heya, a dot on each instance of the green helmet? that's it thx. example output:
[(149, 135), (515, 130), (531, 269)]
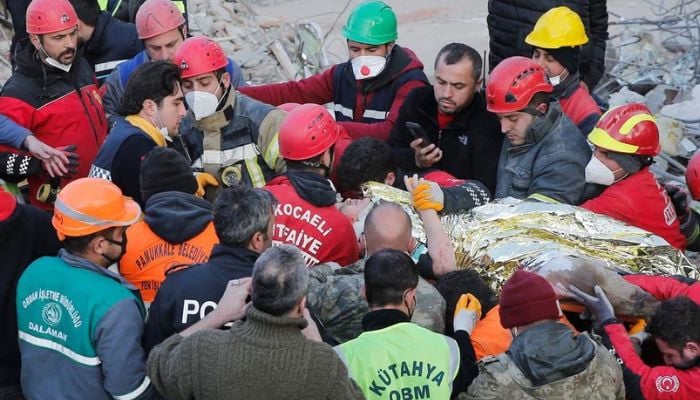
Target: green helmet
[(372, 22)]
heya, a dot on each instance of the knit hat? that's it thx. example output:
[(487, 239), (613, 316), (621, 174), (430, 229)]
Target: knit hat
[(164, 170), (631, 163), (8, 203), (526, 298), (568, 57)]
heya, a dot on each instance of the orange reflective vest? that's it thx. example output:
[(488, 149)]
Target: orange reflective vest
[(148, 257)]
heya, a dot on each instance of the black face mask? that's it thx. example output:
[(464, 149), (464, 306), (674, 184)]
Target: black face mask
[(410, 311), (121, 244)]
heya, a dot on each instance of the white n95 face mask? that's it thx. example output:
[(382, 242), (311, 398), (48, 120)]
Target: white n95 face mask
[(597, 172), (365, 67), (202, 104)]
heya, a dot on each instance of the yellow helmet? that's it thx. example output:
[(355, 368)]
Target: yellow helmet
[(558, 27)]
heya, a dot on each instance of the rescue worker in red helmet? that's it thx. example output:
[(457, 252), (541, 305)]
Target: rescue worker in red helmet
[(545, 155), (306, 215), (556, 40), (687, 216), (52, 93), (626, 139), (80, 324), (162, 28), (227, 134)]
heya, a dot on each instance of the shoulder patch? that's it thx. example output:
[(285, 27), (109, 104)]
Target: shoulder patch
[(667, 384)]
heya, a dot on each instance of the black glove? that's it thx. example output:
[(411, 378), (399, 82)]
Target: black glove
[(599, 304), (73, 159), (679, 198)]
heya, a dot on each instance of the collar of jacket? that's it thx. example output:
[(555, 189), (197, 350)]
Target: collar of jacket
[(396, 63), (380, 319), (228, 256), (540, 128), (313, 188), (221, 117), (84, 263), (29, 63), (567, 87), (429, 110), (260, 325), (148, 128)]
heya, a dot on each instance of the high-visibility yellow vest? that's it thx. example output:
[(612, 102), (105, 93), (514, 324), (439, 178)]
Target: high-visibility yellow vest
[(403, 361), (105, 3)]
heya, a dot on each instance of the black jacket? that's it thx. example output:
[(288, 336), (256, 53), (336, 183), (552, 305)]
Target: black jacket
[(188, 295), (25, 235), (471, 144), (510, 21)]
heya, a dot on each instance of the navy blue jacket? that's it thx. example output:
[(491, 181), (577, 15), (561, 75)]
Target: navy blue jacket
[(112, 43)]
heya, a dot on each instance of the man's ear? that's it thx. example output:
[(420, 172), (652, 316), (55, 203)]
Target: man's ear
[(257, 242), (693, 348), (302, 305), (149, 107), (35, 41), (226, 80), (542, 107), (412, 244), (390, 178)]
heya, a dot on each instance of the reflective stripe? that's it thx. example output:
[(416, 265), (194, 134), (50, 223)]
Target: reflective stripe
[(634, 120), (88, 220), (374, 114), (255, 172), (231, 156), (137, 392), (106, 66), (602, 139), (47, 344), (272, 153), (97, 172), (343, 110), (543, 198)]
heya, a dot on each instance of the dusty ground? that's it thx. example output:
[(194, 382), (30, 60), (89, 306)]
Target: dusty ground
[(424, 26)]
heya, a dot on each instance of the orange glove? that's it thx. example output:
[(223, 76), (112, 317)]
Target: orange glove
[(467, 313), (204, 179)]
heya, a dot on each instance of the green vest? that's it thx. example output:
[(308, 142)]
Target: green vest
[(403, 361), (59, 307)]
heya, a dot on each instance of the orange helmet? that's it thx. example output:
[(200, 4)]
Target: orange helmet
[(49, 16), (513, 83), (307, 131), (155, 17), (90, 205), (692, 176), (199, 55), (628, 129)]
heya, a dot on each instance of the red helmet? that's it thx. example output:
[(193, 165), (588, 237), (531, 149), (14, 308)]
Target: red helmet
[(692, 176), (155, 17), (629, 129), (512, 84), (306, 132), (199, 55), (49, 16)]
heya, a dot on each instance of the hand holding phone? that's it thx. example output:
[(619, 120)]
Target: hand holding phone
[(418, 132)]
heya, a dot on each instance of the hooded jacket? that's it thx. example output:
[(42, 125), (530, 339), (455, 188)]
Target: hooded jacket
[(550, 166), (187, 295), (548, 361), (177, 230), (306, 217), (471, 143), (366, 107), (59, 108), (26, 234), (510, 21)]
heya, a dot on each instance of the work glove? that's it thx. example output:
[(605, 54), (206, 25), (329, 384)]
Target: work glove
[(204, 179), (467, 313), (425, 195), (73, 160), (638, 335), (679, 198), (598, 305)]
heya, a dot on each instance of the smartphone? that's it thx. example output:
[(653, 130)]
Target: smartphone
[(418, 132)]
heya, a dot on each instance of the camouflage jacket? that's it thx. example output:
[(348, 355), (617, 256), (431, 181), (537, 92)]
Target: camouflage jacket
[(334, 297), (500, 378)]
